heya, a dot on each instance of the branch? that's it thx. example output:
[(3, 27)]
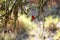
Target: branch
[(44, 3), (9, 12)]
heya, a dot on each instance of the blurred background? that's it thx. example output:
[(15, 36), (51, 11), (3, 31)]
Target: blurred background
[(29, 19)]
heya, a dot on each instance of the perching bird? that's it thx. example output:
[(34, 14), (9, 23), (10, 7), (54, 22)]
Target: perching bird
[(33, 17)]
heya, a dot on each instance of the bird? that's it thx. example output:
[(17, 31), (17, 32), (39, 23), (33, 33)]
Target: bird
[(33, 17)]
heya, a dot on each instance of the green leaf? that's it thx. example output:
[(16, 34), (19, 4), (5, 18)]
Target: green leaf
[(2, 1), (2, 12)]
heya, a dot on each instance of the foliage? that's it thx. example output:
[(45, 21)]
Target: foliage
[(2, 0), (2, 12), (50, 20), (57, 36), (26, 21)]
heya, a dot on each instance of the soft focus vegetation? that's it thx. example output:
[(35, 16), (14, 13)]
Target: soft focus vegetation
[(50, 20), (26, 22), (29, 19)]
